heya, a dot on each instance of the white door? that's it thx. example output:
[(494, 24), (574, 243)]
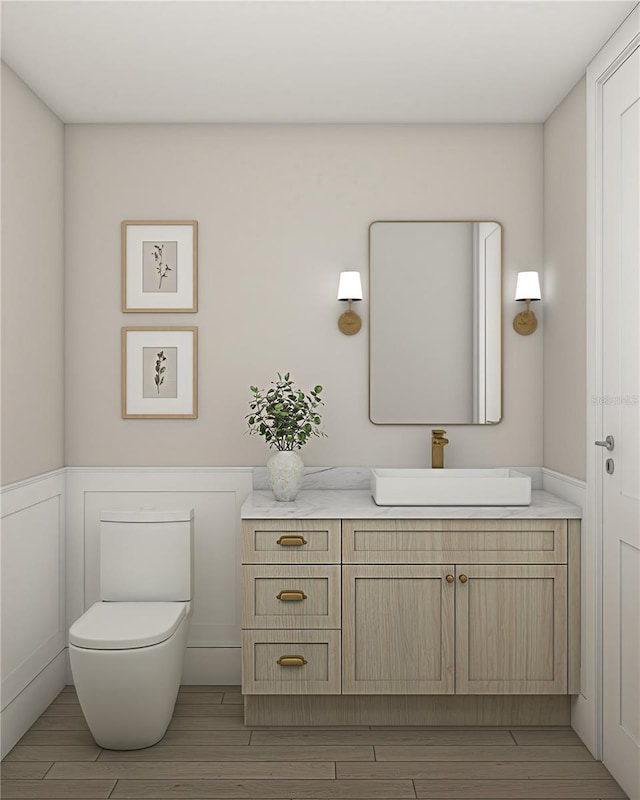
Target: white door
[(621, 420)]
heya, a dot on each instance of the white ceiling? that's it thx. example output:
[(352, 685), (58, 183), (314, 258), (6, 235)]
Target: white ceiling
[(304, 61)]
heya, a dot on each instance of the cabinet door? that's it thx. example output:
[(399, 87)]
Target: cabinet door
[(397, 630), (511, 629)]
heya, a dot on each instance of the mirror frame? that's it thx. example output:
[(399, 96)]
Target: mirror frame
[(443, 422)]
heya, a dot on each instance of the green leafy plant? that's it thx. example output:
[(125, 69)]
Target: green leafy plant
[(284, 415)]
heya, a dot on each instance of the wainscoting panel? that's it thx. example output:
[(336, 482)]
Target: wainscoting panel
[(216, 495), (33, 591)]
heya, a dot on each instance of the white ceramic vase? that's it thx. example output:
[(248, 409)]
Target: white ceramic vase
[(284, 470)]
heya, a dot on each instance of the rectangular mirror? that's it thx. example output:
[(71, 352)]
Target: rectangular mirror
[(435, 335)]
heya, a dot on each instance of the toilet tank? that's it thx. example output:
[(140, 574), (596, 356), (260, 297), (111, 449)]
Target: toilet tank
[(146, 555)]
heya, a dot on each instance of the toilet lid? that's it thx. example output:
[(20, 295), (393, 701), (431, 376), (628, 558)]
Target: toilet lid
[(123, 626)]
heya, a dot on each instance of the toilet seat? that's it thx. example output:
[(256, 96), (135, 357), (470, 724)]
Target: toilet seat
[(126, 626)]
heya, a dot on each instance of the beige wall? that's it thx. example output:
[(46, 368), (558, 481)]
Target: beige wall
[(32, 283), (282, 209), (564, 290)]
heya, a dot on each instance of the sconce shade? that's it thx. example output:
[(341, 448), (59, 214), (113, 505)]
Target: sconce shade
[(350, 286), (528, 286)]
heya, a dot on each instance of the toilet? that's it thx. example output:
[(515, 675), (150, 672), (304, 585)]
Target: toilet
[(127, 650)]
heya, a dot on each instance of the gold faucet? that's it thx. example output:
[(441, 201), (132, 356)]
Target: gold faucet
[(438, 443)]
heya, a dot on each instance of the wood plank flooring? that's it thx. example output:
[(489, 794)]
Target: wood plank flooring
[(208, 754)]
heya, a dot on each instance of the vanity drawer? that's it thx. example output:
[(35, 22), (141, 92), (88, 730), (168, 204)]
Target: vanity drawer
[(290, 596), (291, 541), (419, 541), (291, 662)]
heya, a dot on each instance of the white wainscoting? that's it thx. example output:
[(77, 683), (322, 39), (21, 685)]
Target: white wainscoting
[(216, 495), (584, 716), (33, 571), (33, 600)]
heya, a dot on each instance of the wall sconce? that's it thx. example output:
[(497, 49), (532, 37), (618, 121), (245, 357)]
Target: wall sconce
[(350, 289), (527, 290)]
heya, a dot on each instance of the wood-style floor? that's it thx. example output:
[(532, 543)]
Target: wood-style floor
[(208, 753)]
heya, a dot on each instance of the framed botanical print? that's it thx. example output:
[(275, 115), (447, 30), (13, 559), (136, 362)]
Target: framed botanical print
[(159, 266), (159, 373)]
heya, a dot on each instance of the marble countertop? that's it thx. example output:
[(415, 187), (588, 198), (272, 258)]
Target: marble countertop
[(358, 504)]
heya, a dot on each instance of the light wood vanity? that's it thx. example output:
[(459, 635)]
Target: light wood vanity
[(400, 619)]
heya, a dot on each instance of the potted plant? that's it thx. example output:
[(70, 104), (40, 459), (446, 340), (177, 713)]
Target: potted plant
[(286, 418)]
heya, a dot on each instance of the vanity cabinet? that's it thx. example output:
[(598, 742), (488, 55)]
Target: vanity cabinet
[(411, 607)]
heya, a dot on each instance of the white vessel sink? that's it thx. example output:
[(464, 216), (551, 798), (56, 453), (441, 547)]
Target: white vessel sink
[(450, 487)]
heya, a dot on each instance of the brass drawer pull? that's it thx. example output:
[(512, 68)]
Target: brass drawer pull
[(291, 541), (292, 661), (449, 578), (463, 578), (291, 594)]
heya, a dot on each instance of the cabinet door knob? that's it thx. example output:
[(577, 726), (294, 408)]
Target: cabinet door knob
[(291, 541), (449, 578), (463, 578), (292, 661), (291, 594)]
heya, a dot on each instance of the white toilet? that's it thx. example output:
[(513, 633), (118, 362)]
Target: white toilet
[(127, 650)]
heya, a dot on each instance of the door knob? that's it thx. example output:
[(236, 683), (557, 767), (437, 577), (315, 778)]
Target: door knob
[(463, 579), (609, 443), (449, 578)]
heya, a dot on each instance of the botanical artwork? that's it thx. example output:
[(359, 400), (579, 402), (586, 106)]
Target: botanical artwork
[(160, 267), (159, 372)]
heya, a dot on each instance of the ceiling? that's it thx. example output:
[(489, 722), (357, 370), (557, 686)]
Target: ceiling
[(304, 61)]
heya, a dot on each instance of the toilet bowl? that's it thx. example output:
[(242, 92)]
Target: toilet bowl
[(127, 651)]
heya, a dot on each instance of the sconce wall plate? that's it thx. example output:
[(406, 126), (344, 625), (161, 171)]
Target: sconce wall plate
[(349, 322), (525, 322)]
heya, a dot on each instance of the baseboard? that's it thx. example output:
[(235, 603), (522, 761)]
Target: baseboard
[(437, 710), (24, 710), (564, 486)]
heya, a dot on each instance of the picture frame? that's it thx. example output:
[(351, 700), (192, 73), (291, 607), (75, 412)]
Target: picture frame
[(159, 266), (159, 372)]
